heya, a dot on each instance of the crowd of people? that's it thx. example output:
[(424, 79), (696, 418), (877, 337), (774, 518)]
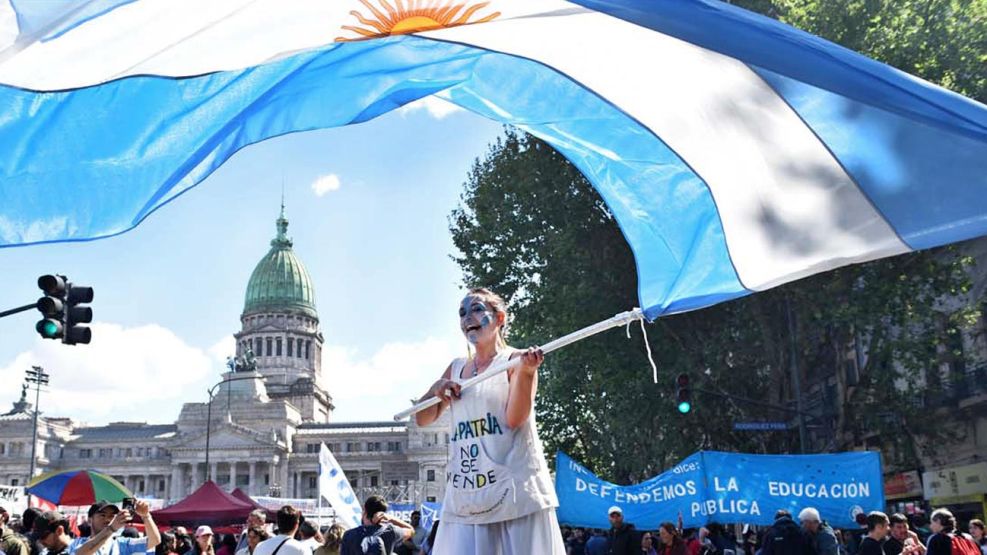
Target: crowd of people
[(107, 532), (876, 534), (493, 435)]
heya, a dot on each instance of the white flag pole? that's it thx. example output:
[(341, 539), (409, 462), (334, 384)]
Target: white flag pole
[(319, 509), (622, 319)]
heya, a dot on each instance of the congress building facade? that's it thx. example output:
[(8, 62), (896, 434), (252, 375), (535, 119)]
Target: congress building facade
[(268, 419)]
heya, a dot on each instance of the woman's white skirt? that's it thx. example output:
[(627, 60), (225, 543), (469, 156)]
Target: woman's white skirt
[(534, 534)]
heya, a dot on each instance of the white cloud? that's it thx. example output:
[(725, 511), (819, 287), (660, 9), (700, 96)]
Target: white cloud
[(143, 373), (223, 349), (146, 373), (377, 386), (326, 184), (435, 106)]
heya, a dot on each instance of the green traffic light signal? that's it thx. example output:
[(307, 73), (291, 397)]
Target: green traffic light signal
[(49, 329), (682, 394)]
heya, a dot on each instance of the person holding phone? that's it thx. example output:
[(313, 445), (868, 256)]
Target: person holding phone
[(105, 520)]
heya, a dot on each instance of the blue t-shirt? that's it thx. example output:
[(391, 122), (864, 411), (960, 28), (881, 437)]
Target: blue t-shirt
[(114, 546)]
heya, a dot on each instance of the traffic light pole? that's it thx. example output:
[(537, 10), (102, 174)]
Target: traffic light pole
[(793, 363), (24, 308), (34, 434), (38, 377)]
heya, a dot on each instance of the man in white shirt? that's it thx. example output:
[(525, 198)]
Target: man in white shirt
[(284, 543), (309, 535)]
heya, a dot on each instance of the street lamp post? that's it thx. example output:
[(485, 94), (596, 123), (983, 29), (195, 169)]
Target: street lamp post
[(211, 391), (38, 377)]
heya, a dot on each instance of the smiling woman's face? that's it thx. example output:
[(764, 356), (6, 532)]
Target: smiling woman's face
[(477, 320)]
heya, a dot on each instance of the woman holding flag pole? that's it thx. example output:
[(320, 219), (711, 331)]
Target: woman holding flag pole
[(499, 495)]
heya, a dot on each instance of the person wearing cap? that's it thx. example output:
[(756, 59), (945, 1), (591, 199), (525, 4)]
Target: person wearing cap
[(622, 538), (10, 542), (819, 534), (50, 529), (106, 519), (203, 542)]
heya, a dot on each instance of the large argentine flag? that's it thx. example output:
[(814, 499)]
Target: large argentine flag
[(737, 153)]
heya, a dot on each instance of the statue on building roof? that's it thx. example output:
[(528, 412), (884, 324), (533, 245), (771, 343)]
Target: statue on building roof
[(246, 363)]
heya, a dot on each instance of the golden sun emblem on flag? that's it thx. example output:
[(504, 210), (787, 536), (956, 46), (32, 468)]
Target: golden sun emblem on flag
[(412, 16)]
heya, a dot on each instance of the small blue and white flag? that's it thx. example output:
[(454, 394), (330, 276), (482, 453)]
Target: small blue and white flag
[(336, 489), (736, 152)]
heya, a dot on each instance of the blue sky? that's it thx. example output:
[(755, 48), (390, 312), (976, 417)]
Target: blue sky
[(169, 293)]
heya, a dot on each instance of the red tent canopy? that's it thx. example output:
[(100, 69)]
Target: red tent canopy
[(242, 496), (207, 505)]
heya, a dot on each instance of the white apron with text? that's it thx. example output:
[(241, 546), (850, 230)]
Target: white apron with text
[(494, 473)]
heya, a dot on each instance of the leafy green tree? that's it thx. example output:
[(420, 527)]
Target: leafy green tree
[(531, 227), (942, 41)]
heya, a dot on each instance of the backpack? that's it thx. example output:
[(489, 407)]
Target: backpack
[(369, 540), (960, 545), (788, 540)]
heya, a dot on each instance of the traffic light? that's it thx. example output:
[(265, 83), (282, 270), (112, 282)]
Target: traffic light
[(52, 306), (76, 314), (62, 311), (683, 397)]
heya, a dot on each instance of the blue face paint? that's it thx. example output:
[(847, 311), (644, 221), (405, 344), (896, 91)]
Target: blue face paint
[(474, 318)]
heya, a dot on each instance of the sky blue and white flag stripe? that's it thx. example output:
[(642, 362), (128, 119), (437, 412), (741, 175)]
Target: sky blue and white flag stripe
[(736, 153)]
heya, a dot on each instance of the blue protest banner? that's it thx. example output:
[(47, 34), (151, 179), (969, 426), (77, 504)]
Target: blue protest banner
[(430, 513), (401, 510), (712, 486), (584, 498)]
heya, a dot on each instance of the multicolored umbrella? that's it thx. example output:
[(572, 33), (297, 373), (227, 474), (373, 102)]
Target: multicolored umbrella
[(78, 487)]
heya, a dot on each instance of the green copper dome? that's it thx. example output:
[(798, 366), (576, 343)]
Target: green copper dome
[(280, 282)]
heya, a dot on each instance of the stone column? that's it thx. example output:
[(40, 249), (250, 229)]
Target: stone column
[(213, 471), (176, 481), (147, 485), (252, 478), (285, 483), (232, 476)]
